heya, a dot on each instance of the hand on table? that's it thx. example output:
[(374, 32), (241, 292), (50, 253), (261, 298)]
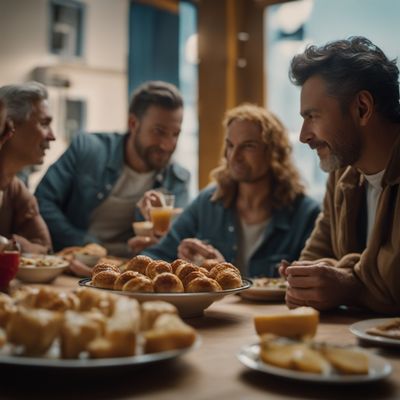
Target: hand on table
[(194, 249), (319, 285), (78, 268), (139, 243)]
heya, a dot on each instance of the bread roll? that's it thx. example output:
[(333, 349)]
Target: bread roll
[(209, 264), (105, 279), (185, 269), (167, 283), (123, 278), (169, 332), (140, 283), (203, 285), (193, 275), (175, 264), (139, 264), (157, 267), (151, 310), (223, 267), (228, 279), (104, 267)]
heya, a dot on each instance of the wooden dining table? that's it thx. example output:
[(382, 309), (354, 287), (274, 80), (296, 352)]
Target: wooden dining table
[(210, 371)]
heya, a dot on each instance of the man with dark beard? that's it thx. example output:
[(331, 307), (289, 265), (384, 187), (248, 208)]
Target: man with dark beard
[(90, 193), (350, 105), (256, 211)]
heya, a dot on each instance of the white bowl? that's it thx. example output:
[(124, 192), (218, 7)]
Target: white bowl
[(34, 274), (87, 259)]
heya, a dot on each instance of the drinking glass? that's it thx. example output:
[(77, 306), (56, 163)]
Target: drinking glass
[(161, 215)]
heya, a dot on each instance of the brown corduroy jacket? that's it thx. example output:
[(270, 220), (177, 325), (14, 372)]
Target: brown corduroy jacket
[(340, 231)]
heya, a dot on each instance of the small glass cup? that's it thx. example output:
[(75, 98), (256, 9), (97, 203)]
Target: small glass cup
[(9, 263), (162, 214)]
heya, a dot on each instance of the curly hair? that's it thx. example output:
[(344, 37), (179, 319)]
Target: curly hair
[(283, 177), (349, 66)]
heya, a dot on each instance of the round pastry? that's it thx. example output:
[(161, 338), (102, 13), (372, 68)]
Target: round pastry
[(167, 283), (185, 269), (123, 278), (105, 279), (157, 267), (222, 267), (175, 264), (228, 279), (204, 271), (203, 285), (209, 264), (192, 275), (104, 267), (139, 264), (139, 283)]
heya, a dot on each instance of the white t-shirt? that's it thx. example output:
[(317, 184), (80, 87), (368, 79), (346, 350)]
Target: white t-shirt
[(111, 221), (251, 236), (374, 189)]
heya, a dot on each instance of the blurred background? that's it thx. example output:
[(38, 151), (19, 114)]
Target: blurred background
[(91, 54)]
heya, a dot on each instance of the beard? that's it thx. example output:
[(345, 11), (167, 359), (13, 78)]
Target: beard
[(153, 156), (340, 155)]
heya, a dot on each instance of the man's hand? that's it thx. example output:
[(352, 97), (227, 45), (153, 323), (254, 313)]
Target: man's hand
[(29, 247), (78, 268), (196, 251), (320, 286), (149, 199), (139, 243)]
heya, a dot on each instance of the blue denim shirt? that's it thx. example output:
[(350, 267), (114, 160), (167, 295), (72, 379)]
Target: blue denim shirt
[(284, 236), (83, 177)]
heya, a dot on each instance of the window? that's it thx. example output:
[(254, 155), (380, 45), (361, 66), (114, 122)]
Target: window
[(66, 28)]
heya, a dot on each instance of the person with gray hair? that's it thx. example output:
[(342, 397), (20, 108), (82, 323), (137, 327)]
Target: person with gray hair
[(28, 137), (90, 193)]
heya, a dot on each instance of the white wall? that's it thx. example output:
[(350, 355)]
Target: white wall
[(100, 77)]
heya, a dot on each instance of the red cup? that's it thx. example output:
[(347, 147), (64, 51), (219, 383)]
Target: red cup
[(9, 262)]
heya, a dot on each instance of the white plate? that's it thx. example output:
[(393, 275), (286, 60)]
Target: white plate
[(188, 304), (33, 274), (379, 368), (264, 293), (360, 328), (138, 360)]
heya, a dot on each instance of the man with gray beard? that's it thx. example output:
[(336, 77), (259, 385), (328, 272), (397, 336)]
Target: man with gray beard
[(90, 193), (350, 106)]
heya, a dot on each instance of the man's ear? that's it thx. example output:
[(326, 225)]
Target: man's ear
[(364, 106), (132, 122)]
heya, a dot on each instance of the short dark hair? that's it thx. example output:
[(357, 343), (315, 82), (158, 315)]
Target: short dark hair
[(155, 93), (349, 66)]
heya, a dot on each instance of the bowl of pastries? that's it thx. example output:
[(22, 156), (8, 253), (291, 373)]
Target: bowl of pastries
[(89, 254), (39, 268), (189, 287), (88, 328), (287, 348)]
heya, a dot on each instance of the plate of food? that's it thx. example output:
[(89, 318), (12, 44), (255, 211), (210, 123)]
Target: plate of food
[(383, 331), (190, 288), (39, 268), (89, 329), (376, 367), (266, 289), (188, 304)]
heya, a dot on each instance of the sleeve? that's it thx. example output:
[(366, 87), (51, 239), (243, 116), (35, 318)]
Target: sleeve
[(53, 194), (185, 226), (319, 244), (28, 223)]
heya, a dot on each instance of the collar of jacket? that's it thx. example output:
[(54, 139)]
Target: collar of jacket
[(392, 173)]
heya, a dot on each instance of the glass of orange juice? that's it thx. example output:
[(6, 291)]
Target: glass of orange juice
[(162, 214)]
